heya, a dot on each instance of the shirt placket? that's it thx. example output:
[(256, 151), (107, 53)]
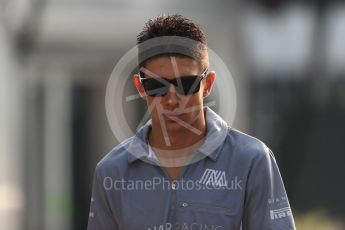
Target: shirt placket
[(175, 191)]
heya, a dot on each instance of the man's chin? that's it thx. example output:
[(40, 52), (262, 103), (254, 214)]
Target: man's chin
[(176, 124)]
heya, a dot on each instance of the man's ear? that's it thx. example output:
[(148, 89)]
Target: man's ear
[(139, 86), (208, 83)]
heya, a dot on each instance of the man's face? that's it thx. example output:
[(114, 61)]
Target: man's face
[(173, 110)]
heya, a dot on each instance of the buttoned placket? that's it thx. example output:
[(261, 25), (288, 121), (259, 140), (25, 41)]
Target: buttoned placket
[(175, 190)]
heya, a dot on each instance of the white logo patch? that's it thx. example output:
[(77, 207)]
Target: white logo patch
[(280, 213), (214, 177)]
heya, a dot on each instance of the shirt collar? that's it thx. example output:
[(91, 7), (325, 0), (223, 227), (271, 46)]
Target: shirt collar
[(217, 130)]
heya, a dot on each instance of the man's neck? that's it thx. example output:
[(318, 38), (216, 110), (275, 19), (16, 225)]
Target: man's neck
[(182, 144)]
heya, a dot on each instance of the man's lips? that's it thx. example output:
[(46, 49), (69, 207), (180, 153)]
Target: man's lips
[(172, 113)]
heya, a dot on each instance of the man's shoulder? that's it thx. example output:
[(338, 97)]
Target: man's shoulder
[(116, 159), (247, 146)]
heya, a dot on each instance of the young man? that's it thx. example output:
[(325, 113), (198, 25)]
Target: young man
[(185, 168)]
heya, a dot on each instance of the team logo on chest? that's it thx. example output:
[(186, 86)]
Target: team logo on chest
[(214, 177)]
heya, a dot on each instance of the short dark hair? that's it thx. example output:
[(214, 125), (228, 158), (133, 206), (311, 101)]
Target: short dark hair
[(175, 25)]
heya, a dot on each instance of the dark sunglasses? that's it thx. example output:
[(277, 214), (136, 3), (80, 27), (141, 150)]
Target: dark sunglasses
[(185, 85)]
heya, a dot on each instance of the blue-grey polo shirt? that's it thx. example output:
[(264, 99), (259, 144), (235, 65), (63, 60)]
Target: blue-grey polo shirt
[(232, 181)]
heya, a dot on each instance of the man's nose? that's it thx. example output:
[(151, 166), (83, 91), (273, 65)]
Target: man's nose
[(171, 95)]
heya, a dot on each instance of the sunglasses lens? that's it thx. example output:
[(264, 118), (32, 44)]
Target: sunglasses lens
[(154, 87), (187, 85), (190, 85)]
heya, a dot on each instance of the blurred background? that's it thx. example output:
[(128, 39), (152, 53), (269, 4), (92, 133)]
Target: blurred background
[(56, 56)]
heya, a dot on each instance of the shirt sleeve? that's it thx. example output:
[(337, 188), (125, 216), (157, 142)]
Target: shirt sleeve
[(100, 216), (266, 204)]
